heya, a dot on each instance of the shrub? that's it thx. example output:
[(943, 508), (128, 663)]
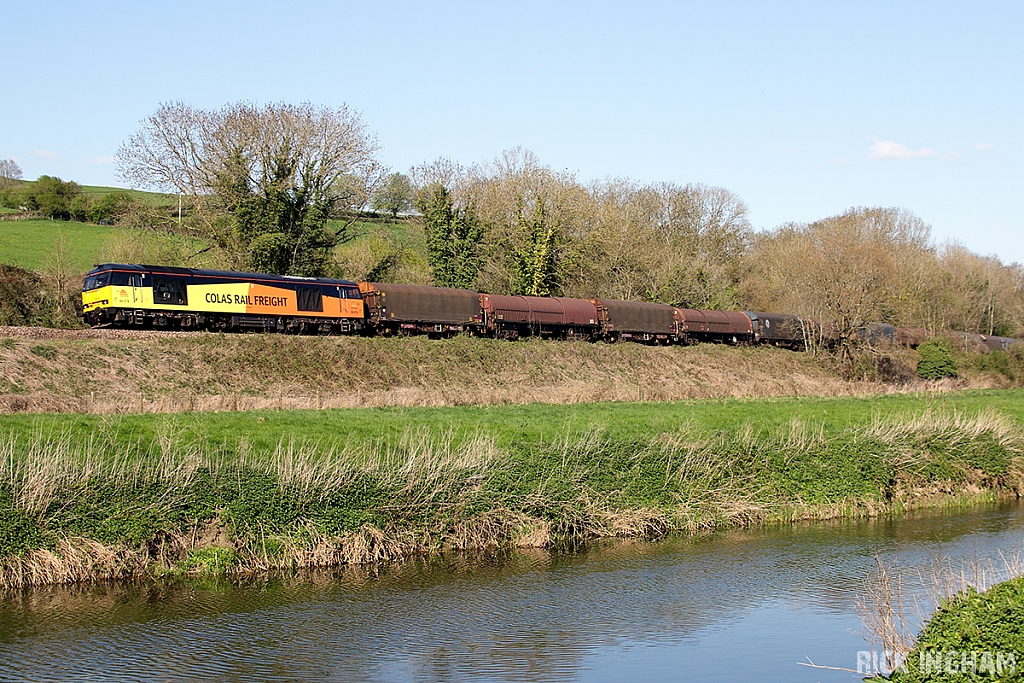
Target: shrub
[(53, 197), (111, 207), (936, 361), (26, 298), (1009, 363)]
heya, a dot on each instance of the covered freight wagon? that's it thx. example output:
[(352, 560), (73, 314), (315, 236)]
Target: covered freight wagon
[(636, 320), (716, 326), (911, 336), (519, 316), (877, 334), (778, 329), (995, 343), (413, 308)]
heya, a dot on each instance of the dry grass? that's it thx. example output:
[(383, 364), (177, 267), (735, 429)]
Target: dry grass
[(73, 560), (113, 371), (953, 426)]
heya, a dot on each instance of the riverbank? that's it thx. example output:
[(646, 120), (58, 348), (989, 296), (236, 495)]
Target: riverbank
[(122, 371), (972, 636), (87, 497)]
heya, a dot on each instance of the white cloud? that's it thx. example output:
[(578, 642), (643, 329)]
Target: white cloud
[(984, 146), (887, 149), (47, 154), (104, 160)]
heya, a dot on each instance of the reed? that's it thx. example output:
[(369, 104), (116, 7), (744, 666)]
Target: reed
[(111, 504), (898, 624)]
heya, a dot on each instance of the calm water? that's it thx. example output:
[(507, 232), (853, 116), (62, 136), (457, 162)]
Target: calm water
[(738, 606)]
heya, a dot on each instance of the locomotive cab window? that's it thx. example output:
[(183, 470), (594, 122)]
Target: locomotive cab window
[(96, 281), (309, 299), (168, 291)]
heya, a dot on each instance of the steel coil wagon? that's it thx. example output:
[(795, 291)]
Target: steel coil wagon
[(637, 321), (409, 309), (511, 317)]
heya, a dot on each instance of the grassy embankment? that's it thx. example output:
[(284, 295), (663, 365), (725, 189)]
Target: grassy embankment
[(116, 372), (87, 497)]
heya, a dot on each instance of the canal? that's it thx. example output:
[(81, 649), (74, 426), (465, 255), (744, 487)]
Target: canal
[(739, 605)]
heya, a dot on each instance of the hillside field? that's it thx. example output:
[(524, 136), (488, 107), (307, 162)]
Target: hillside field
[(29, 243)]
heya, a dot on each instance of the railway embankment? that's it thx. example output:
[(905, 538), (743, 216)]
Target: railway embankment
[(120, 371), (88, 497)]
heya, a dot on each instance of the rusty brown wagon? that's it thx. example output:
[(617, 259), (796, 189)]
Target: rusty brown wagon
[(637, 321), (443, 311), (511, 317), (732, 327)]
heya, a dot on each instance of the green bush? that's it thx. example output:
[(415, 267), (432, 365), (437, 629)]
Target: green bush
[(111, 207), (936, 361), (983, 627), (1009, 363), (53, 197)]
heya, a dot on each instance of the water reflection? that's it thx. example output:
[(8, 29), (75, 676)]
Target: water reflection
[(738, 605)]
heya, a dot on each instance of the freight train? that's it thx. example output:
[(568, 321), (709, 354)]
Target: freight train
[(140, 296)]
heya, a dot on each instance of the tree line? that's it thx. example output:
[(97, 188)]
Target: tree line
[(279, 187)]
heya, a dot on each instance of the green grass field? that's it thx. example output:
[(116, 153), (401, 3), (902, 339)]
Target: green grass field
[(29, 243), (508, 425), (94, 192)]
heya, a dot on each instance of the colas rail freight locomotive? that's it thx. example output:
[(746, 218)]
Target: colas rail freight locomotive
[(161, 297)]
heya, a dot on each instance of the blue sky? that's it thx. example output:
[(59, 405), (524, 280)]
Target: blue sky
[(803, 109)]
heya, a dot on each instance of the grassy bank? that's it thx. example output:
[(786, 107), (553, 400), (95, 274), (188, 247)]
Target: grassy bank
[(108, 371), (972, 636), (85, 497)]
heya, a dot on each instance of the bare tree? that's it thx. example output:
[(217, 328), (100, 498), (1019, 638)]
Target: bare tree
[(674, 244), (858, 267), (977, 293), (263, 181), (10, 173), (442, 171)]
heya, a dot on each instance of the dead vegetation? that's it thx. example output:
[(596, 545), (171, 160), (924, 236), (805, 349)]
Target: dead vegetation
[(116, 371)]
